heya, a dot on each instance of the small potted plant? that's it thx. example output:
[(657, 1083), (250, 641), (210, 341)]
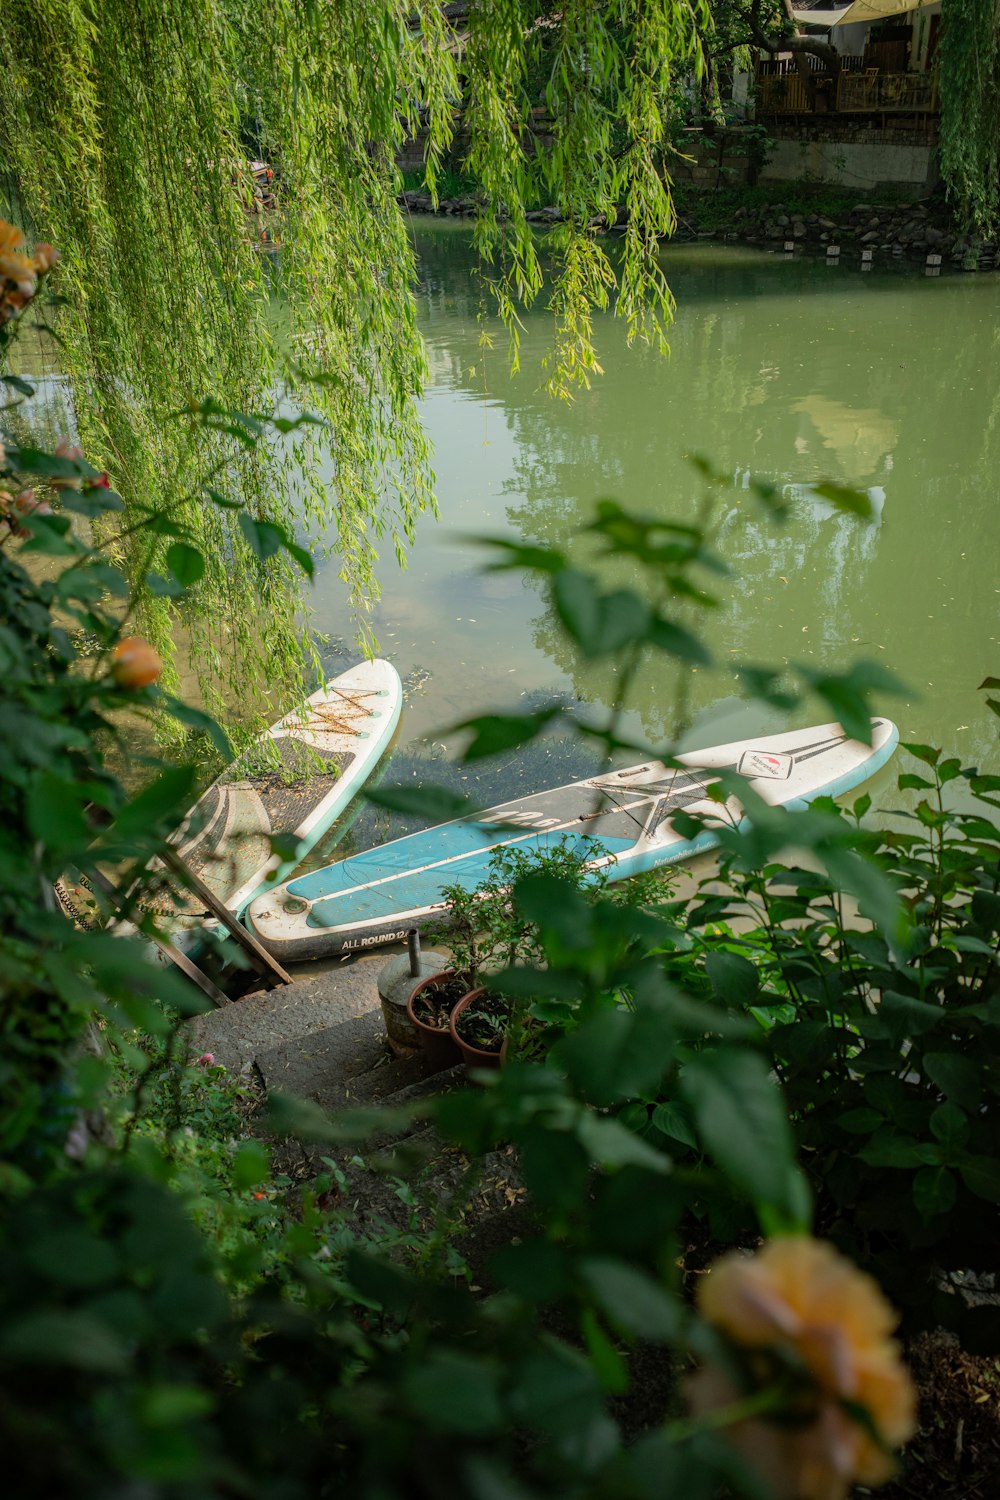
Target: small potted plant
[(429, 1007), (477, 926), (478, 1026)]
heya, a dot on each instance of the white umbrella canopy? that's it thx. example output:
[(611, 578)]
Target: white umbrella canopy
[(857, 12)]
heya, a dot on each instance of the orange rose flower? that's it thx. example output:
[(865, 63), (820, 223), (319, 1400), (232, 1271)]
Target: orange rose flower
[(45, 257), (799, 1298), (134, 663), (19, 273), (11, 237)]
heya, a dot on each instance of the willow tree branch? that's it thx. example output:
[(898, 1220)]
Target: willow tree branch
[(800, 45)]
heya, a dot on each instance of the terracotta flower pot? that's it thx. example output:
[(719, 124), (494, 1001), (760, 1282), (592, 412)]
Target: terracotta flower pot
[(475, 1057), (439, 1048)]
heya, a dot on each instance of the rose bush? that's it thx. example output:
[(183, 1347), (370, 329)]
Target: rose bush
[(808, 1326)]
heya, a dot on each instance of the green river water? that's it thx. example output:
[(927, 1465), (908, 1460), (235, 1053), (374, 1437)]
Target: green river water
[(788, 370)]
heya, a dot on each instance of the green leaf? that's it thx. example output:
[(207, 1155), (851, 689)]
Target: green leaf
[(73, 1257), (251, 1164), (981, 1175), (861, 1121), (53, 1337), (906, 1017), (536, 1269), (452, 1392), (161, 587), (195, 718), (50, 536), (848, 693), (959, 1078), (846, 498), (934, 1191), (301, 556), (617, 1054), (950, 1125), (894, 1150), (50, 465), (555, 1391), (264, 538), (632, 1301), (185, 563), (675, 1121), (168, 1403), (288, 1115), (986, 909), (910, 781), (159, 805), (609, 1144), (925, 753), (874, 891), (19, 385), (599, 623), (862, 805), (672, 638), (519, 555), (96, 501), (55, 812), (734, 979), (741, 1121), (609, 1365), (434, 804), (495, 734)]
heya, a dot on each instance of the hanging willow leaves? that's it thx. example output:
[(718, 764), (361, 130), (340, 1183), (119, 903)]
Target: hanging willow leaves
[(969, 62), (125, 132)]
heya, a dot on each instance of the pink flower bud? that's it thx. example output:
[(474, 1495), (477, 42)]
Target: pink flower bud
[(25, 503), (206, 1060), (72, 451)]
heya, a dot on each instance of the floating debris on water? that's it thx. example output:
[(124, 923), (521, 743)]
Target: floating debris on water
[(414, 682)]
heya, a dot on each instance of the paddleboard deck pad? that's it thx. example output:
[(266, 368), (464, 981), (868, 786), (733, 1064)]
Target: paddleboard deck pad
[(293, 783), (620, 820)]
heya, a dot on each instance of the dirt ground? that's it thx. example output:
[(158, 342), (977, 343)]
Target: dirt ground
[(956, 1453)]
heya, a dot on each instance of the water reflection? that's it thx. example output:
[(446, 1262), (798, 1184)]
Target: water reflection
[(790, 372), (856, 441)]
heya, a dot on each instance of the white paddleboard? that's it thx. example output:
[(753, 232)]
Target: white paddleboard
[(294, 782), (621, 820)]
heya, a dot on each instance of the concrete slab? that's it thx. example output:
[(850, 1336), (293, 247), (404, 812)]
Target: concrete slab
[(322, 995)]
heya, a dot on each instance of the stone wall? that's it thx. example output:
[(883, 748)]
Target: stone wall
[(863, 158), (872, 233), (854, 154), (725, 159)]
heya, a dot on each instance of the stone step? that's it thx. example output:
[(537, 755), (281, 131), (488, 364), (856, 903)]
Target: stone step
[(321, 995), (337, 1066)]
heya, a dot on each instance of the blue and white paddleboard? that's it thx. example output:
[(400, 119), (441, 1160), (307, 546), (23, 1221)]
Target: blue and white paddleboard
[(621, 819)]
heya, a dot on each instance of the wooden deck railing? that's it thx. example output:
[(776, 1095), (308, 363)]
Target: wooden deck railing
[(887, 92), (857, 93)]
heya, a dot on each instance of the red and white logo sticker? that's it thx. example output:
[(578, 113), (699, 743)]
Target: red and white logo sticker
[(758, 763)]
